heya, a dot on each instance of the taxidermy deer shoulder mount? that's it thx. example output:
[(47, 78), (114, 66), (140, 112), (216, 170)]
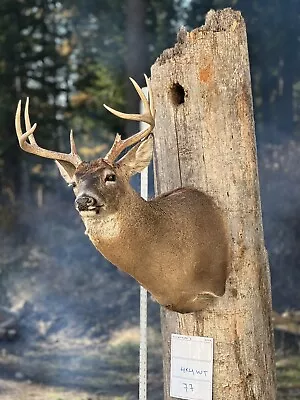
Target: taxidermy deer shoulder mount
[(174, 245)]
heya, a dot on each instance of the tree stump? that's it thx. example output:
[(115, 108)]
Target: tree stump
[(204, 137)]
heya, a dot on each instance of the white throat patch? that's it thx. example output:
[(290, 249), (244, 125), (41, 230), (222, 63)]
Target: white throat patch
[(103, 228)]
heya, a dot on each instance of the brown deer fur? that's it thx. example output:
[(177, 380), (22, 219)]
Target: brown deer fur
[(174, 245)]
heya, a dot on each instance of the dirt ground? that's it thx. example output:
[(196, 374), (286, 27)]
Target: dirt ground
[(10, 390), (79, 369)]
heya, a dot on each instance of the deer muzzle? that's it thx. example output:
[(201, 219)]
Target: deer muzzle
[(86, 203)]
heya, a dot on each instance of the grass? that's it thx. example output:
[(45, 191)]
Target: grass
[(288, 378)]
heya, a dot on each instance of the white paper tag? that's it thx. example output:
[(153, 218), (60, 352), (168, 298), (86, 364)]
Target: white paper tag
[(191, 367)]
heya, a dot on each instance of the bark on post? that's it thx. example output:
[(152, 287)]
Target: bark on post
[(204, 137)]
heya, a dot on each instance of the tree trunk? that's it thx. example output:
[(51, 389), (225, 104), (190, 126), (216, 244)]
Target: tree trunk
[(204, 137), (137, 56), (287, 79)]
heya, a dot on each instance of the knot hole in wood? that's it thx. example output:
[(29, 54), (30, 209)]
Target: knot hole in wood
[(177, 94)]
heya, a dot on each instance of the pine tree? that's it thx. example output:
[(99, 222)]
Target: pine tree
[(32, 64)]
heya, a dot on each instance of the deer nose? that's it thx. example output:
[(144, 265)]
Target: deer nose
[(83, 202)]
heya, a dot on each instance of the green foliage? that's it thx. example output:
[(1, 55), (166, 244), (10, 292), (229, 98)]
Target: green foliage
[(96, 85), (31, 65), (288, 378), (69, 58)]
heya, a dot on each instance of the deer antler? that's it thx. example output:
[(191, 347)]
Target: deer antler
[(32, 146), (148, 116)]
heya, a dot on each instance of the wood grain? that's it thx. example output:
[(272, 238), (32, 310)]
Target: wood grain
[(207, 141)]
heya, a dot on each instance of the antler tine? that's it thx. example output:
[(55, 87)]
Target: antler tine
[(22, 137), (32, 146), (147, 116), (72, 143), (150, 96), (27, 122)]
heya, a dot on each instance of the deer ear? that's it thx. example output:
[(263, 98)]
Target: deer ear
[(137, 158), (66, 170)]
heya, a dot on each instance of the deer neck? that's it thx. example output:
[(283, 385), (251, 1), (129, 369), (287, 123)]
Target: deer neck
[(117, 236), (128, 239)]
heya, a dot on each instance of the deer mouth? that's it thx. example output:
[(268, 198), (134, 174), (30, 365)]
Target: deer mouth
[(91, 212)]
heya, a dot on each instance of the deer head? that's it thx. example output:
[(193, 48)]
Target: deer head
[(175, 245), (99, 185)]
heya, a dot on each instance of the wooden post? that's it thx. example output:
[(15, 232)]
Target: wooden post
[(204, 137)]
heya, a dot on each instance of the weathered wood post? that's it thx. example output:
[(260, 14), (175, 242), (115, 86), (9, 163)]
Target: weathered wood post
[(204, 137)]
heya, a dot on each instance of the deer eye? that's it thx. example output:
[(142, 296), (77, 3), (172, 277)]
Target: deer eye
[(72, 184), (110, 178)]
